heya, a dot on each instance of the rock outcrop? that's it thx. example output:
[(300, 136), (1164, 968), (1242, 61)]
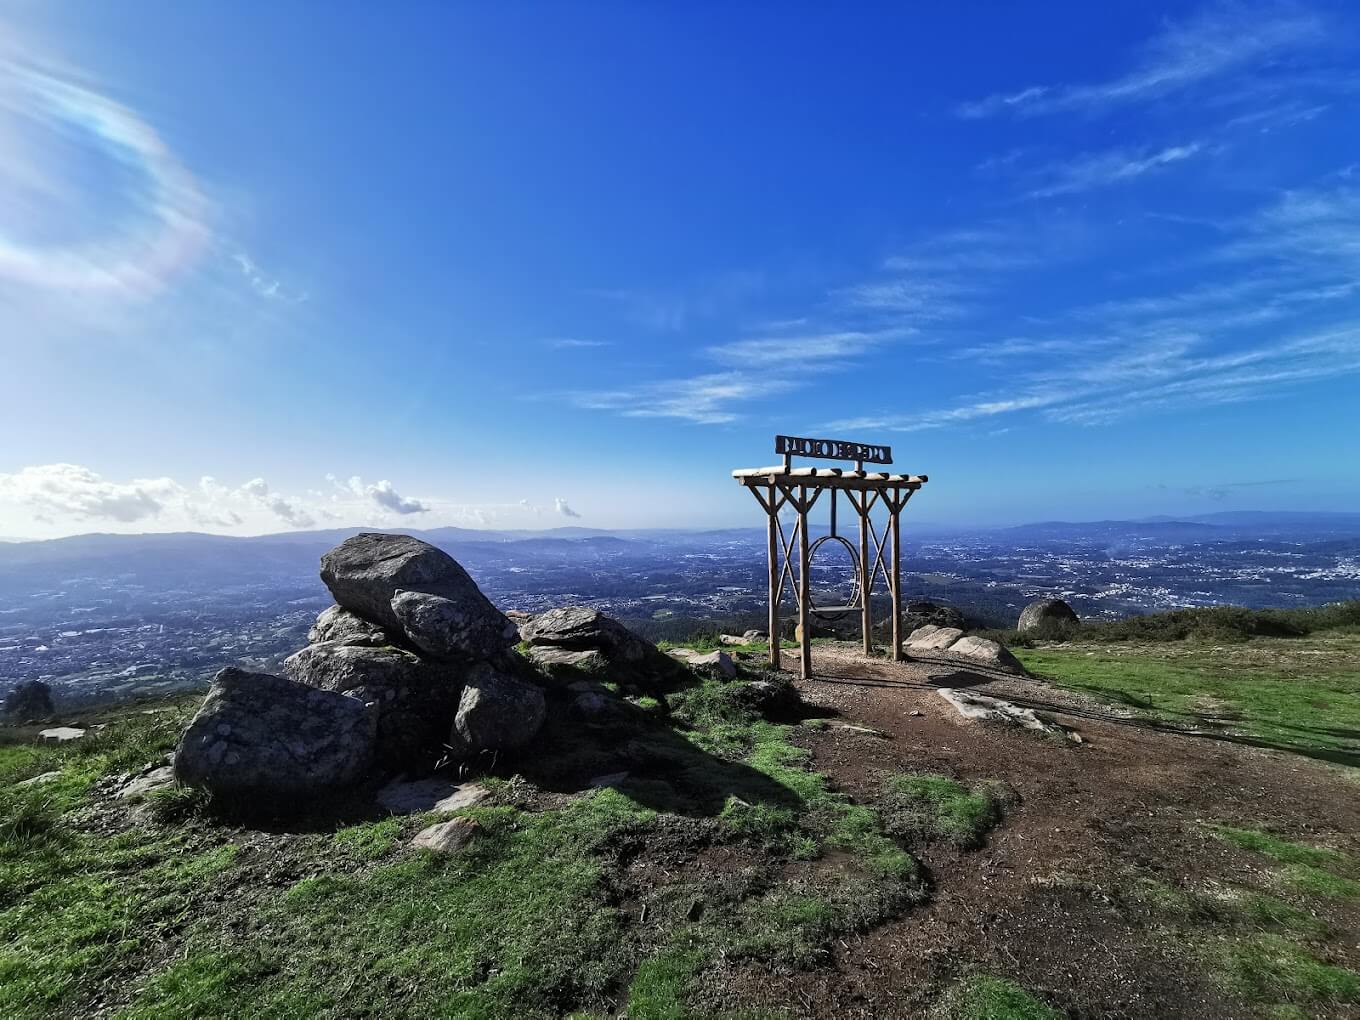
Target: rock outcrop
[(381, 577), (577, 642), (414, 698), (266, 737), (30, 701), (496, 712), (1046, 613)]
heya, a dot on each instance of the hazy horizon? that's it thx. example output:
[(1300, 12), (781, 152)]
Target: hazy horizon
[(478, 266)]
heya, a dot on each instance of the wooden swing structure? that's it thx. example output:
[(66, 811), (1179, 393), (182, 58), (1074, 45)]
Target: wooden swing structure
[(799, 488)]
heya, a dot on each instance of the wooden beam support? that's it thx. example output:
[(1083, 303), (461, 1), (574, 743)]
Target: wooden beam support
[(804, 587), (775, 578), (866, 587)]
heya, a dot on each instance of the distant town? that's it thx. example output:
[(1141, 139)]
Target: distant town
[(104, 618)]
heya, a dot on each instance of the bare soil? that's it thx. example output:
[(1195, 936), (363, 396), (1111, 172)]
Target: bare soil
[(1050, 901)]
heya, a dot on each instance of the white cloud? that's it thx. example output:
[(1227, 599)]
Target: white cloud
[(1224, 39), (1095, 170), (385, 497), (560, 505), (72, 491)]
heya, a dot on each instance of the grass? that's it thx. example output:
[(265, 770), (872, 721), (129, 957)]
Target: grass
[(1312, 870), (1295, 695), (927, 807), (1269, 969), (984, 997), (181, 915)]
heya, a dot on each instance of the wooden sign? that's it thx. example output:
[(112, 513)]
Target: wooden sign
[(832, 449)]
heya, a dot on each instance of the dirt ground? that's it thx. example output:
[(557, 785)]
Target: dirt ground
[(1049, 902)]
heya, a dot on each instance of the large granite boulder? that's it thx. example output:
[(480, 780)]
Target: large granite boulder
[(453, 628), (343, 627), (1046, 614), (366, 574), (918, 613), (581, 628), (415, 699), (29, 701), (268, 738), (497, 712)]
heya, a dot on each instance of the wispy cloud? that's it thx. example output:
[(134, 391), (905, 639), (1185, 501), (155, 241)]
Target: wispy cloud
[(1224, 39), (143, 236), (711, 399), (567, 343), (784, 351), (1101, 169), (264, 285), (1294, 260)]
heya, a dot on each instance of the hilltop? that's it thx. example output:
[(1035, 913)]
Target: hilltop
[(868, 854)]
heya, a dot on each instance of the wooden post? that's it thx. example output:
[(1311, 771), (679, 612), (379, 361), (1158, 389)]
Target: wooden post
[(866, 587), (895, 507), (775, 574), (804, 587)]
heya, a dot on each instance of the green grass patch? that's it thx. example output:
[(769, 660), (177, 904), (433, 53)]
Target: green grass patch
[(1274, 847), (924, 807), (1269, 969), (984, 997), (1300, 695)]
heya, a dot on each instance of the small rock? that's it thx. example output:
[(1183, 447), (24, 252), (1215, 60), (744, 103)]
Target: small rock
[(715, 663), (985, 650), (60, 734), (447, 837), (733, 639), (401, 797), (156, 779), (867, 731), (938, 638), (981, 708), (39, 779), (752, 636)]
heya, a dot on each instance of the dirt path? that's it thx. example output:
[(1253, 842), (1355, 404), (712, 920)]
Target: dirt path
[(1049, 902)]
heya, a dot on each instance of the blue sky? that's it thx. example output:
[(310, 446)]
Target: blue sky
[(266, 266)]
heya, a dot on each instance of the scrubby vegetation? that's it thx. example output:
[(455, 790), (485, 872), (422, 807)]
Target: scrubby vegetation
[(164, 908), (1218, 624)]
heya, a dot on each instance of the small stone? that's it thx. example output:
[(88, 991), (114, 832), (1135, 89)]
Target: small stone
[(60, 734), (156, 779), (938, 639), (38, 780), (464, 797), (447, 837), (714, 663), (401, 797)]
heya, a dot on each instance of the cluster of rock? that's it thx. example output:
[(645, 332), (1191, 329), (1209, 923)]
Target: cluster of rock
[(411, 664), (952, 640)]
